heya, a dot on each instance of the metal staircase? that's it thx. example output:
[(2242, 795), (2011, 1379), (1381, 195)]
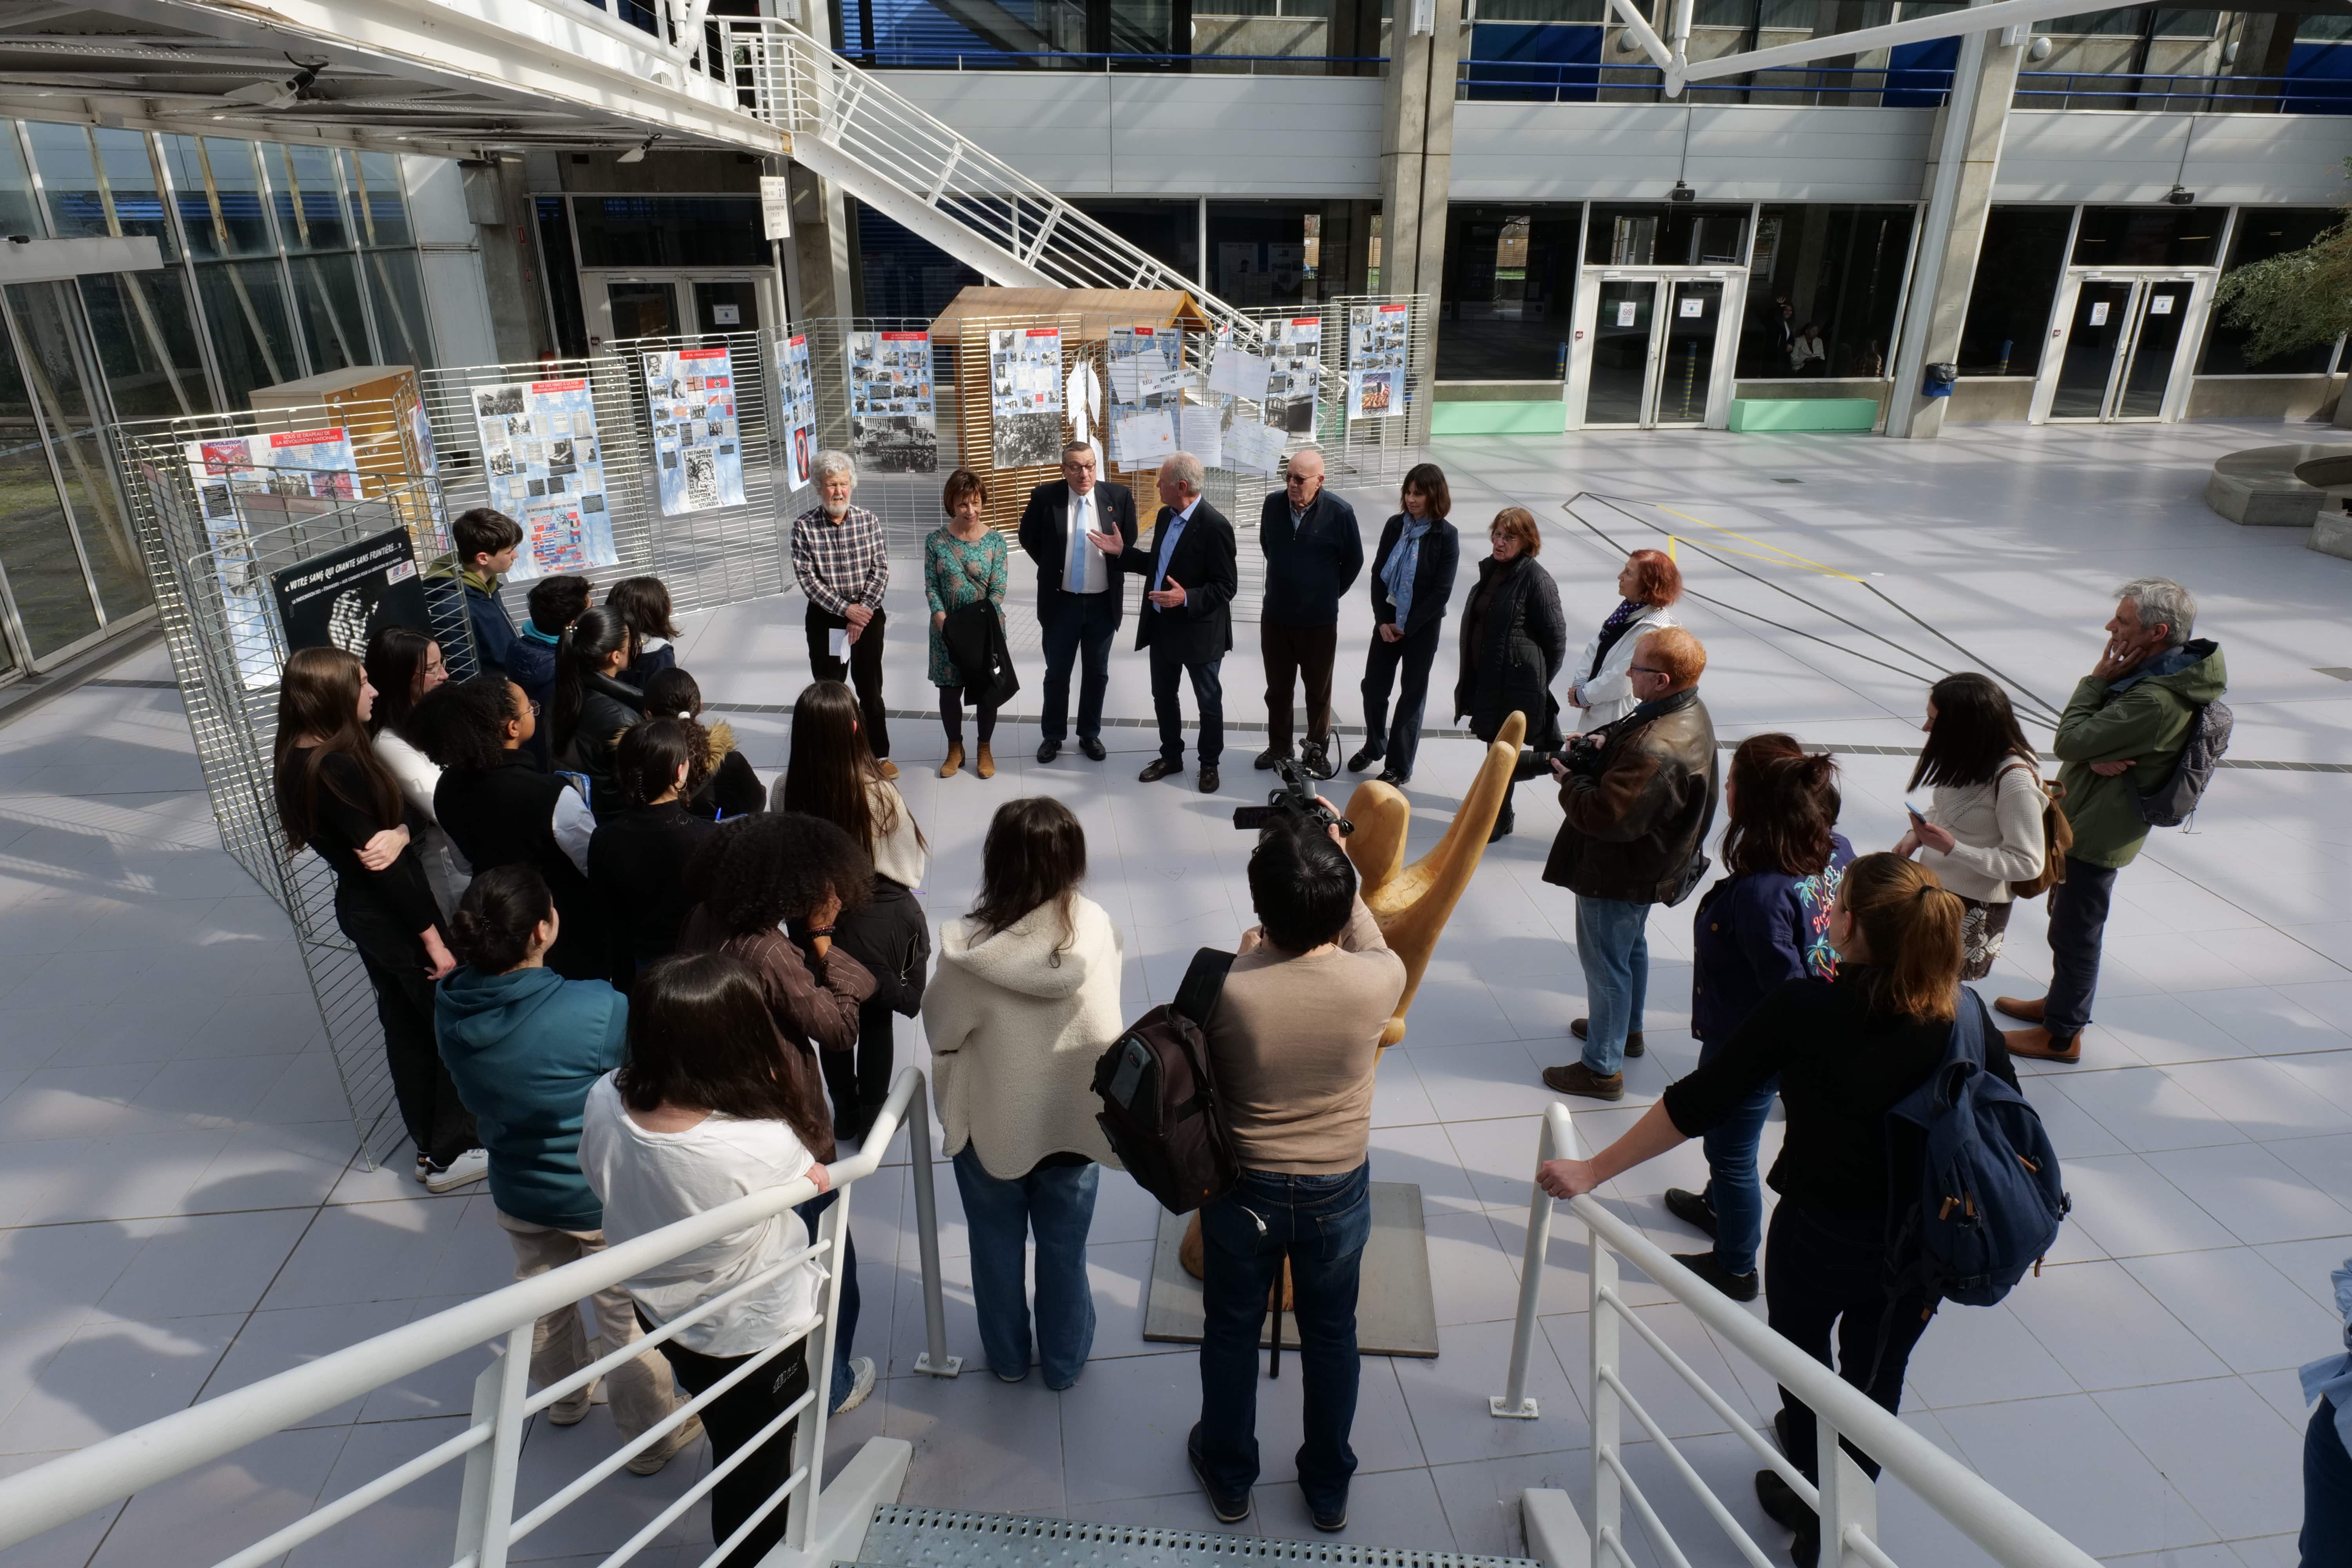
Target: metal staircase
[(848, 127)]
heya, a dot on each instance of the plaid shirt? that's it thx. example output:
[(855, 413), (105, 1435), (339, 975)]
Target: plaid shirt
[(841, 564)]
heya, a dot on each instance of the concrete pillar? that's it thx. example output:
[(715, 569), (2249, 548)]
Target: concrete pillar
[(1964, 160), (511, 264), (818, 259), (1417, 149)]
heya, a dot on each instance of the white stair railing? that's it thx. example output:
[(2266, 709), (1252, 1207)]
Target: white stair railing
[(1847, 1501), (486, 1527), (850, 127)]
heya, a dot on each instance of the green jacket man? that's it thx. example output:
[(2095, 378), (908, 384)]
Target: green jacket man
[(2122, 732)]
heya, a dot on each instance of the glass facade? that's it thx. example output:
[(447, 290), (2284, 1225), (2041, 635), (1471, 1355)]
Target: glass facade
[(1665, 234), (2260, 234), (2149, 237), (1510, 290), (281, 262), (2018, 271), (1826, 275)]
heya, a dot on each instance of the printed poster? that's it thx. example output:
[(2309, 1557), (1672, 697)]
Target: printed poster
[(246, 485), (892, 428), (1147, 393), (1024, 396), (1294, 374), (342, 598), (697, 441), (545, 462), (1376, 360), (796, 402)]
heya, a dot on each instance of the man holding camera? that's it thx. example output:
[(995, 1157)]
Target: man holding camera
[(1639, 795), (1293, 1039)]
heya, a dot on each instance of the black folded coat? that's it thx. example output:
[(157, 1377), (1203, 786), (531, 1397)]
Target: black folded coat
[(974, 634)]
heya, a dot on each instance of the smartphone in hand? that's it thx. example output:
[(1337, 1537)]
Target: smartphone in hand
[(1916, 819)]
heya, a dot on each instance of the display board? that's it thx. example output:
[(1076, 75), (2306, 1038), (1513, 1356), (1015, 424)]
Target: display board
[(1147, 394), (245, 483), (1377, 352), (1025, 376), (795, 422), (698, 447), (545, 460), (1294, 374), (342, 598), (892, 429)]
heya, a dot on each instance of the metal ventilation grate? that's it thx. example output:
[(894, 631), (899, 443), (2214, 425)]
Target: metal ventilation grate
[(948, 1538)]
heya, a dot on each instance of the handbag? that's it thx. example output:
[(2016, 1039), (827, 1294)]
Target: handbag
[(2057, 837)]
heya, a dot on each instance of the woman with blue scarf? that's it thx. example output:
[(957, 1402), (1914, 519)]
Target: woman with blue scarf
[(1412, 581)]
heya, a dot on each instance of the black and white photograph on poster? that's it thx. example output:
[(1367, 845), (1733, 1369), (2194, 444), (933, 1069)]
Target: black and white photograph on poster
[(796, 406), (1025, 403), (1294, 373), (694, 390), (1376, 360), (891, 428), (342, 599), (499, 400)]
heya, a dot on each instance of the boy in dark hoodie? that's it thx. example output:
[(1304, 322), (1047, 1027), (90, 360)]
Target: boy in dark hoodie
[(555, 604), (525, 1045), (486, 540)]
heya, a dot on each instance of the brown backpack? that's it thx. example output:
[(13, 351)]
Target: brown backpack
[(2057, 837)]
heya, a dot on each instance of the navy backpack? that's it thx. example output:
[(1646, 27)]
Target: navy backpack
[(1989, 1201)]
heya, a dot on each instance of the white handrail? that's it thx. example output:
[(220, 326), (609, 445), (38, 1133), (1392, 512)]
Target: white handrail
[(2004, 1529), (41, 1499)]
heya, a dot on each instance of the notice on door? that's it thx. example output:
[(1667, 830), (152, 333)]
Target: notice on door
[(1692, 307), (775, 207), (727, 315), (1625, 312), (2099, 313), (2161, 305)]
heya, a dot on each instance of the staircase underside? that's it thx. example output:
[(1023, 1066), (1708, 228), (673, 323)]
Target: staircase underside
[(904, 1537)]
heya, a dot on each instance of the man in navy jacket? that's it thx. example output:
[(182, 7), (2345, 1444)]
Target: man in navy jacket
[(1313, 554)]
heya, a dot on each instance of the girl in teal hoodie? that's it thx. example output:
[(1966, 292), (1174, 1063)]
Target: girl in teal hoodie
[(523, 1045)]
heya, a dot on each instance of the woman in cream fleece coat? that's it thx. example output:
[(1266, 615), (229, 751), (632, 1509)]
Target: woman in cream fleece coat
[(1025, 1000)]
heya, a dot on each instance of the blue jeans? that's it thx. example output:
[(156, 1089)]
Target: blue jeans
[(1732, 1189), (1613, 944), (1320, 1223), (1078, 630), (2326, 1540), (1057, 1203), (846, 1328), (2078, 925), (1168, 671)]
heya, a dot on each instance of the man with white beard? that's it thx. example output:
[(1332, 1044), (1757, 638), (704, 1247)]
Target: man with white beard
[(843, 565)]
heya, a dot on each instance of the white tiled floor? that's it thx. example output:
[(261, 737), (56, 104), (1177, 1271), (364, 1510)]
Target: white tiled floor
[(180, 1214)]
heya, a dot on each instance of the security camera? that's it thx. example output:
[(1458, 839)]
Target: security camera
[(2180, 198), (283, 93)]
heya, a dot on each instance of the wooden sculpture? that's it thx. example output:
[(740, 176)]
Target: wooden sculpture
[(1411, 904)]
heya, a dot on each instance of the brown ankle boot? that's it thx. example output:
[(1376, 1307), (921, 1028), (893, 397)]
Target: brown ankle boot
[(2016, 1008), (986, 766), (955, 759), (2036, 1043)]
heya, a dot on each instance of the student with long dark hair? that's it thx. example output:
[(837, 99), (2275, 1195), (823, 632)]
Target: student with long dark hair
[(723, 783), (1025, 1001), (555, 603), (592, 705), (1412, 583), (334, 794), (1844, 1050), (638, 859), (1766, 922), (706, 1111), (769, 890), (834, 776), (643, 606), (524, 1046), (402, 665), (501, 810), (1983, 827)]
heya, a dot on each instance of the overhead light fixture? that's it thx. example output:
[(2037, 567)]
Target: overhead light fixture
[(1682, 193), (637, 154), (284, 92)]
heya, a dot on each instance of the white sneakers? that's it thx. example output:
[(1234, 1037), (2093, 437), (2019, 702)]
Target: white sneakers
[(470, 1166), (861, 1384)]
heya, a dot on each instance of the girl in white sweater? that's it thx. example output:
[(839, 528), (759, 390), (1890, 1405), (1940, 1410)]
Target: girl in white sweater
[(1983, 830), (1025, 1000)]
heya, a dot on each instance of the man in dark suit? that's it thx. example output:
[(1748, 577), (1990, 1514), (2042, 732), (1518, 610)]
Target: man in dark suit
[(1081, 591), (1189, 574), (1313, 554)]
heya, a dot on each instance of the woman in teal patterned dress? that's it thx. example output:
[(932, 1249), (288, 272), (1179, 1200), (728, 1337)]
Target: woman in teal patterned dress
[(963, 560)]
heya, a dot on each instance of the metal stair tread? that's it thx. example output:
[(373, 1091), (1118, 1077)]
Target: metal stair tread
[(908, 1536)]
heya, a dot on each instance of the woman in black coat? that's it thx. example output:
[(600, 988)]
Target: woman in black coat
[(636, 859), (1514, 638), (592, 706), (1411, 582)]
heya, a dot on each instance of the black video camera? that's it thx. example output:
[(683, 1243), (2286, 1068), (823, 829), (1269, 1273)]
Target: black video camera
[(1581, 755), (1295, 800)]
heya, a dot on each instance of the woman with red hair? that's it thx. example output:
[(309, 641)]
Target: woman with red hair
[(1599, 681)]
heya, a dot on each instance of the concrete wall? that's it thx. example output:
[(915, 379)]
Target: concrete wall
[(1560, 152), (2263, 396), (1990, 400), (2103, 156), (455, 298)]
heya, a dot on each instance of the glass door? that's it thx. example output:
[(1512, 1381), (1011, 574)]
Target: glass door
[(2158, 321), (61, 522), (1686, 368), (727, 305), (2094, 343), (1619, 390), (644, 309)]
